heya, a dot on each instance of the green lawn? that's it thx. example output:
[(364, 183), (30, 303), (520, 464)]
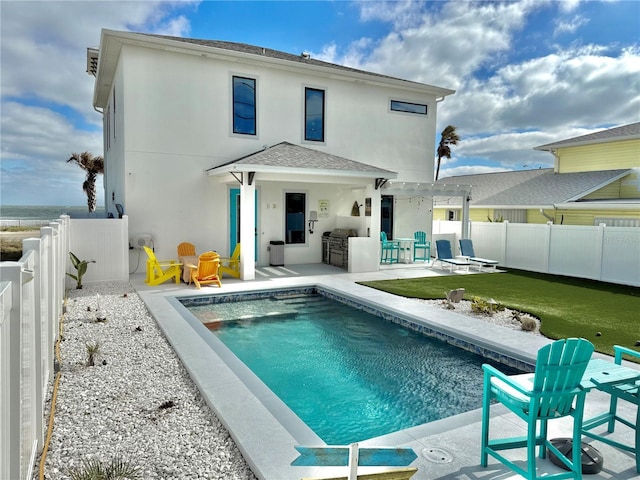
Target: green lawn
[(604, 313)]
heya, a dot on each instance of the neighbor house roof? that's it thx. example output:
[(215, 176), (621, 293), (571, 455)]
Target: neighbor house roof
[(530, 188), (111, 42), (287, 158), (624, 132)]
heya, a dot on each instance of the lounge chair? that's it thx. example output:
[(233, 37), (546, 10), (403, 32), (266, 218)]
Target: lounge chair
[(231, 265), (444, 255), (206, 272), (552, 392), (466, 250), (159, 271), (421, 247), (389, 250)]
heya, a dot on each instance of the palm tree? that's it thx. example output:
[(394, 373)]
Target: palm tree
[(448, 137), (93, 166)]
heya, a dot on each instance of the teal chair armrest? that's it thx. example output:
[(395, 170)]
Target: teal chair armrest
[(620, 351), (490, 371)]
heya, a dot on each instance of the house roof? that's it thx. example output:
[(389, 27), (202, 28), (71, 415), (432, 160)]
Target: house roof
[(624, 132), (530, 188), (287, 158), (111, 42)]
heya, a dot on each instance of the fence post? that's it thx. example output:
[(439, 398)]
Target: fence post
[(505, 228), (36, 337), (11, 272), (600, 248)]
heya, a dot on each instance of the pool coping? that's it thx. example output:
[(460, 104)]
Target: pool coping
[(265, 442)]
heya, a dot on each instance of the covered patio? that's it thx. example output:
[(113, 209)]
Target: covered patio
[(278, 168)]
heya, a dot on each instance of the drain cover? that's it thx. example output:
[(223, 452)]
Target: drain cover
[(437, 455)]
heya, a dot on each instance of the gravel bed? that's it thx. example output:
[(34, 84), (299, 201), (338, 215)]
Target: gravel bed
[(137, 403), (504, 318)]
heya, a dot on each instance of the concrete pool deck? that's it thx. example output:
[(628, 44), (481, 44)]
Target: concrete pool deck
[(447, 449)]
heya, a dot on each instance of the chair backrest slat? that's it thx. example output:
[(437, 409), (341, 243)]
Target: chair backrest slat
[(420, 237), (559, 370)]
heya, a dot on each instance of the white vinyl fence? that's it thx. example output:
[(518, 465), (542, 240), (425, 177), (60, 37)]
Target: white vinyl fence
[(32, 292), (31, 296), (607, 254)]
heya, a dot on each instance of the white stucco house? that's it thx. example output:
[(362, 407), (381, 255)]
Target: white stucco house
[(216, 143)]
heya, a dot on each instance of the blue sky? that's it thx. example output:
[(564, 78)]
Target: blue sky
[(525, 72)]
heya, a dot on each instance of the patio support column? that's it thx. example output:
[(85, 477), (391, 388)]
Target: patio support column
[(376, 212), (466, 198), (247, 230)]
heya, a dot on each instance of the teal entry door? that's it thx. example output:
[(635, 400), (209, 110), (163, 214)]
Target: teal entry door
[(234, 220)]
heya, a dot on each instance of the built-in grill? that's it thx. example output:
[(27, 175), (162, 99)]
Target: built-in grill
[(335, 246)]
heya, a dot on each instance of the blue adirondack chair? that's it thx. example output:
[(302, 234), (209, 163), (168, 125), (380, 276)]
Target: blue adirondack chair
[(390, 250), (421, 247), (536, 398)]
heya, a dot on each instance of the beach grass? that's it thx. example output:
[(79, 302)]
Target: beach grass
[(604, 313)]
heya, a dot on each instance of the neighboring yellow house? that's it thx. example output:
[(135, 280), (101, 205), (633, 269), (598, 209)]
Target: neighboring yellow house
[(595, 179)]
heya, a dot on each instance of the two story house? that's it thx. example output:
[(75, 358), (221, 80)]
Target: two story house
[(217, 143), (595, 180)]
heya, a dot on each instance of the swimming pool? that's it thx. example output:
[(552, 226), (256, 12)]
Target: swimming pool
[(347, 373)]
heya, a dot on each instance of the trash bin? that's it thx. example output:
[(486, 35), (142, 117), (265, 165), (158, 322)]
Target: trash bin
[(276, 253)]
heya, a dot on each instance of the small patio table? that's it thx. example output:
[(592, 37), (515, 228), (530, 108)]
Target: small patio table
[(186, 271), (406, 247), (603, 375)]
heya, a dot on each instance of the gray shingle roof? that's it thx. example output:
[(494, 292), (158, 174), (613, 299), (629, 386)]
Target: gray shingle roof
[(610, 135), (554, 188), (287, 156), (485, 185), (529, 187)]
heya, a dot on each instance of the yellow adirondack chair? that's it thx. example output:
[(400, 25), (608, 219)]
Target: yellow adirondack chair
[(159, 271), (206, 271), (186, 249), (231, 265)]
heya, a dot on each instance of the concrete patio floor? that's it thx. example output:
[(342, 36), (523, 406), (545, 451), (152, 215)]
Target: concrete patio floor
[(446, 449)]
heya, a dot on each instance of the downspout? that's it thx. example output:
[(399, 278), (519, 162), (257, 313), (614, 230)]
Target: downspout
[(551, 219), (556, 160)]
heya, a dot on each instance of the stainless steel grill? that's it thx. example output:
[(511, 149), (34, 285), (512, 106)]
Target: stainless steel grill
[(335, 246)]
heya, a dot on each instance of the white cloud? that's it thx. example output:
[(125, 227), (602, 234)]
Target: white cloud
[(44, 72), (569, 26), (502, 110)]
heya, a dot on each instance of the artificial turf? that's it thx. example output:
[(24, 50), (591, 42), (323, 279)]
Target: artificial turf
[(605, 314)]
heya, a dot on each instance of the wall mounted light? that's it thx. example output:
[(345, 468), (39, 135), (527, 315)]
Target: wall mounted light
[(313, 218)]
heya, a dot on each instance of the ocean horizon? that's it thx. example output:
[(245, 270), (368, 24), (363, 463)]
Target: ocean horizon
[(16, 215)]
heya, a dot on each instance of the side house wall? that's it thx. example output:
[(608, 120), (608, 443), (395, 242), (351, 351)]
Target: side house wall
[(602, 156)]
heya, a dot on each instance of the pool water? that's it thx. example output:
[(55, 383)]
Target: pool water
[(349, 375)]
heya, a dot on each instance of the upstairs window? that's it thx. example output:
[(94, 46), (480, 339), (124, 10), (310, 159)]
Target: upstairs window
[(244, 105), (408, 107), (314, 115)]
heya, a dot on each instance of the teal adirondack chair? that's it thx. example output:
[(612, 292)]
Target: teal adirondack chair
[(390, 250), (536, 398), (421, 247)]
